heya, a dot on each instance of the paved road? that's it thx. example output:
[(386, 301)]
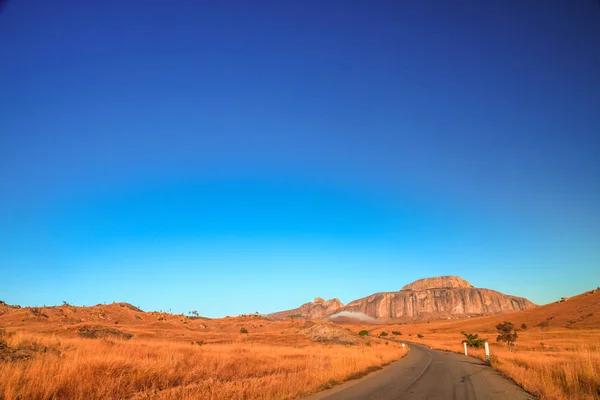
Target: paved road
[(429, 374)]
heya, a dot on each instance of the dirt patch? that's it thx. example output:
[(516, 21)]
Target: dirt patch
[(8, 353), (24, 351), (328, 334), (97, 332)]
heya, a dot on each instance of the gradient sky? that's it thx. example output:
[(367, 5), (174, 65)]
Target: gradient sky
[(233, 157)]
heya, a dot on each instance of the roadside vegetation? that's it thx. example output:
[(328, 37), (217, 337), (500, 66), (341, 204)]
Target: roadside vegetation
[(554, 363), (165, 356), (565, 366)]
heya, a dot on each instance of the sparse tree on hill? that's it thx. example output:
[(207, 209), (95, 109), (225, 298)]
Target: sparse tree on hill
[(363, 333), (507, 334)]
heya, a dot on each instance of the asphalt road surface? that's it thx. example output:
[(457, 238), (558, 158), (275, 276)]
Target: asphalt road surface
[(429, 374)]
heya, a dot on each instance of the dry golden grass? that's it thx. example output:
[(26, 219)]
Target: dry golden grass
[(567, 366), (559, 363), (77, 368), (276, 360)]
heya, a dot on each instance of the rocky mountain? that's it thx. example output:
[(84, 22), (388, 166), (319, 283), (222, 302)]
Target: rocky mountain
[(428, 298), (439, 282), (435, 298), (319, 308)]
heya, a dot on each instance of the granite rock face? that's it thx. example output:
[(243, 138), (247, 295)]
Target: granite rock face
[(439, 282), (436, 298), (429, 298), (319, 308)]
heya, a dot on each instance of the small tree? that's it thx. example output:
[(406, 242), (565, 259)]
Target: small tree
[(384, 333), (473, 340), (397, 333), (507, 334), (363, 333), (244, 330), (523, 326), (419, 336)]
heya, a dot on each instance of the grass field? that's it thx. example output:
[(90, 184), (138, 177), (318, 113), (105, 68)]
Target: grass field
[(43, 356), (274, 361)]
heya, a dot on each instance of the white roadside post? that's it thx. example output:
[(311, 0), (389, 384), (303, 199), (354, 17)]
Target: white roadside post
[(465, 344), (487, 352), (402, 345)]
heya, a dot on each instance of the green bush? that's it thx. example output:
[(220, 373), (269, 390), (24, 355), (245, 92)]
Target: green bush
[(473, 340), (419, 336), (244, 330), (363, 333), (397, 333), (384, 333)]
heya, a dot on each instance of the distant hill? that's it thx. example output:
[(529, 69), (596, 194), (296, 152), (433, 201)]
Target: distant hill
[(425, 299), (318, 309), (577, 312)]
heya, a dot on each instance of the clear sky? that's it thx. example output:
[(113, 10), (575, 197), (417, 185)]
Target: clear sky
[(233, 157)]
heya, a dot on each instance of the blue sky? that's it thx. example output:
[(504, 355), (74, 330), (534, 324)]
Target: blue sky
[(249, 156)]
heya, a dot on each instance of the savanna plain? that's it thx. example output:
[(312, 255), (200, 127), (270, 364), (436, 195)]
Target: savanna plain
[(117, 351)]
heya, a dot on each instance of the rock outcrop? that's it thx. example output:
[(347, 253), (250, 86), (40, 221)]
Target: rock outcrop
[(439, 282), (322, 333), (436, 298), (319, 308)]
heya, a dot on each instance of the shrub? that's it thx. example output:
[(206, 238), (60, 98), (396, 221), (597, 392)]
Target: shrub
[(419, 336), (473, 340), (38, 312), (523, 326), (244, 330), (543, 325), (363, 333), (397, 333), (384, 333)]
